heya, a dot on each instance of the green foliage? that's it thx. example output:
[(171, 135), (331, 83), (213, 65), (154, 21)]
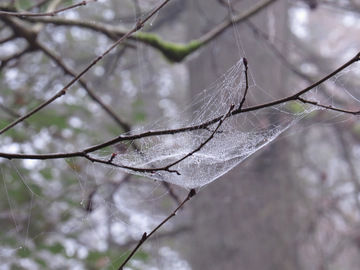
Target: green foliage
[(19, 193), (25, 4), (47, 173), (96, 260), (24, 252), (142, 255), (55, 248), (139, 115), (40, 262), (15, 134), (295, 107), (52, 118)]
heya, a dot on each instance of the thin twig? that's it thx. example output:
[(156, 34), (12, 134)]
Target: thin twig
[(44, 14), (166, 168), (8, 110), (246, 83), (259, 33), (91, 92), (145, 236), (172, 233), (114, 32), (328, 107), (237, 18), (5, 61), (279, 55), (6, 39), (62, 92), (86, 151)]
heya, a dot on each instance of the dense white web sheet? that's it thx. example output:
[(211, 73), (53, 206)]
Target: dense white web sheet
[(237, 137)]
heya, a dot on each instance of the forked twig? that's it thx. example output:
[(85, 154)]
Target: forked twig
[(85, 152), (166, 168), (87, 87), (145, 236), (328, 107), (63, 91)]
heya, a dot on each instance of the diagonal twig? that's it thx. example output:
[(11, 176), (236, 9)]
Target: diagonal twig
[(91, 92), (145, 236), (63, 91), (167, 168)]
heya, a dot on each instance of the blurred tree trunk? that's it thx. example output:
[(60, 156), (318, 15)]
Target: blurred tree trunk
[(246, 219)]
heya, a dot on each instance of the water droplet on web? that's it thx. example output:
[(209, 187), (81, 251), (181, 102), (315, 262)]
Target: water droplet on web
[(214, 144), (152, 20)]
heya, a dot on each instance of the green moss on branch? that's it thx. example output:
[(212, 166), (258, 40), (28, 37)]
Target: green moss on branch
[(174, 52)]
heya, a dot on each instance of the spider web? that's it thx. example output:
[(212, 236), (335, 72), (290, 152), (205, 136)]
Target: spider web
[(120, 214), (209, 152)]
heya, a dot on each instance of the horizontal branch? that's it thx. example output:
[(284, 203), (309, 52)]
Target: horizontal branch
[(85, 153), (174, 52)]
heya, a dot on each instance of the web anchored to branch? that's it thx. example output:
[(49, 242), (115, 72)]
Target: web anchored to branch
[(195, 149), (210, 136)]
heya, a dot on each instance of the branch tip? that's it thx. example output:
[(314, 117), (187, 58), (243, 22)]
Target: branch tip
[(357, 56), (139, 25), (192, 193), (245, 61), (112, 157)]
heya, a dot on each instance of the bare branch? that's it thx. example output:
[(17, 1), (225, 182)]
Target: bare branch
[(328, 107), (6, 39), (212, 34), (44, 14), (246, 83), (202, 144), (146, 236), (205, 125), (91, 92), (173, 51), (17, 55), (137, 27), (258, 32)]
